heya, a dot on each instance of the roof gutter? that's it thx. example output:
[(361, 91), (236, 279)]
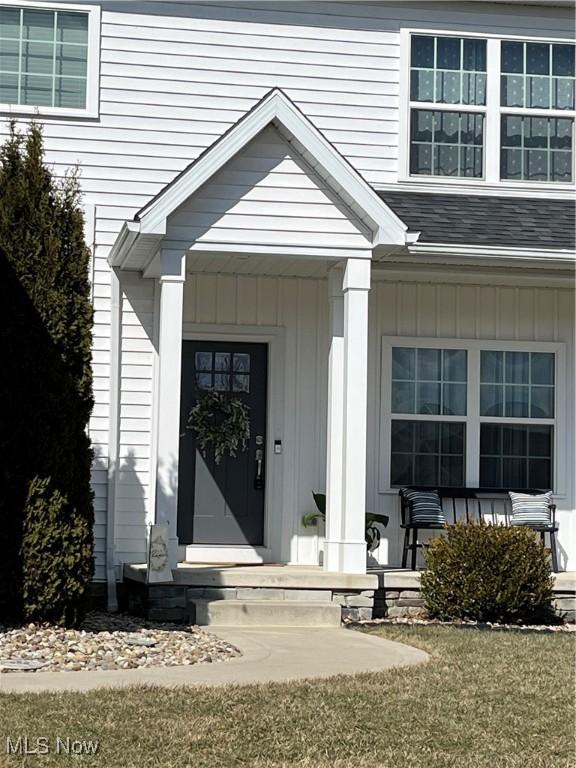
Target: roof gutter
[(545, 255), (123, 245)]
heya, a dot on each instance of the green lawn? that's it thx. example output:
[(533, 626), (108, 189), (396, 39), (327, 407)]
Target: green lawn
[(490, 700)]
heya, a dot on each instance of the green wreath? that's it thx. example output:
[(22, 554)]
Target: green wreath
[(221, 423)]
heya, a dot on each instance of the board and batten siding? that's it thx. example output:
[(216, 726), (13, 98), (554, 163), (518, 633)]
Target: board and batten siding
[(400, 308), (440, 310), (175, 76)]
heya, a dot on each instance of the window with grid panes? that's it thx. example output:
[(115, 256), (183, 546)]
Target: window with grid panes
[(537, 77), (532, 114), (447, 71), (43, 57), (502, 420)]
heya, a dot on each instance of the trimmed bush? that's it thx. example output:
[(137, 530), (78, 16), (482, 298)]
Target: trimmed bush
[(46, 504), (488, 573)]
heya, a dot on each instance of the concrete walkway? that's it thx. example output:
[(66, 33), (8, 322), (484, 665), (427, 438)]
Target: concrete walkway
[(269, 655)]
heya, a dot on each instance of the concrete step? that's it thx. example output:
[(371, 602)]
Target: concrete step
[(266, 613)]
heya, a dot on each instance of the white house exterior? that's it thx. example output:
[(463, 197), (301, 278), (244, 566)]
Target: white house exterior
[(374, 200)]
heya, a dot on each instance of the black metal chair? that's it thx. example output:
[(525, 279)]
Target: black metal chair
[(411, 527)]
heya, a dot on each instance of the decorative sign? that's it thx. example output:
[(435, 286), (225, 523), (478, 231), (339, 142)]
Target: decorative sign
[(158, 555)]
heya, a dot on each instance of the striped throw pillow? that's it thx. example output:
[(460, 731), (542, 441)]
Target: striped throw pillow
[(531, 510), (426, 507)]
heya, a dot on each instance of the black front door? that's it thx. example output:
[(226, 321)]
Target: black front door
[(223, 503)]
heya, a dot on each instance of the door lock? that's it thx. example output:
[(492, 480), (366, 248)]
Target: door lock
[(259, 478)]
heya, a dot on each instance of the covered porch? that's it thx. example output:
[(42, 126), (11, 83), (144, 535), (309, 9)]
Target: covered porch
[(271, 199)]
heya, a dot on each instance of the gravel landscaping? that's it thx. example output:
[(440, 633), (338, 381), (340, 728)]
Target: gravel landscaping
[(108, 641)]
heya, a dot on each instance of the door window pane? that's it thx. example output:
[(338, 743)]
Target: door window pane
[(222, 361), (223, 371), (203, 361), (427, 453), (446, 143), (241, 362), (516, 456), (240, 382), (43, 57), (221, 382)]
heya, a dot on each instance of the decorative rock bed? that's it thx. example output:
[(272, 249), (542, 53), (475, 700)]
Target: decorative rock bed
[(108, 642)]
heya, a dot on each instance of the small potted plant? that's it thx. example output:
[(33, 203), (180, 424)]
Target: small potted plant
[(371, 531)]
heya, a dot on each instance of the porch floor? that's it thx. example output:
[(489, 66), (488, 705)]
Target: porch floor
[(282, 575)]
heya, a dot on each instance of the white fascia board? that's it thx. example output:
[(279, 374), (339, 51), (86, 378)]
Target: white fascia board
[(292, 251), (493, 252), (276, 107), (123, 243)]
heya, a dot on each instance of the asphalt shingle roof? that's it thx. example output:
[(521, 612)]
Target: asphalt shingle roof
[(514, 222)]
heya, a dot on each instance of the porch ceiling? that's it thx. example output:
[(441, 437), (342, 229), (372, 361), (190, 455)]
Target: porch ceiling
[(140, 240)]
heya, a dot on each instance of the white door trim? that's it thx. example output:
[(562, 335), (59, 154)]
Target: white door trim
[(275, 546)]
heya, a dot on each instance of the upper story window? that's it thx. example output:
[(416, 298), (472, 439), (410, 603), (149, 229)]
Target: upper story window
[(536, 76), (48, 59), (491, 109)]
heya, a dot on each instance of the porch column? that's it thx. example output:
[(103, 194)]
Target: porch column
[(334, 446), (356, 286), (348, 379), (171, 284)]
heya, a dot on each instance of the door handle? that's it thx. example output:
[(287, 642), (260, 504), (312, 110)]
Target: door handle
[(259, 479)]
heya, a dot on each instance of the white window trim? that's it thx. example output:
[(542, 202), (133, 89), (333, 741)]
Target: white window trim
[(492, 109), (472, 419), (93, 64)]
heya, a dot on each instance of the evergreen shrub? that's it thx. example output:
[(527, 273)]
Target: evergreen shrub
[(488, 573), (46, 502)]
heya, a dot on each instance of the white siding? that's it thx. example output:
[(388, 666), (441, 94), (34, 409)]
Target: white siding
[(266, 195), (135, 487), (401, 308)]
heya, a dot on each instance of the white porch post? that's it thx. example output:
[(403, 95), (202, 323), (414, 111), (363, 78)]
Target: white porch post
[(356, 287), (334, 447), (348, 380), (171, 283)]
